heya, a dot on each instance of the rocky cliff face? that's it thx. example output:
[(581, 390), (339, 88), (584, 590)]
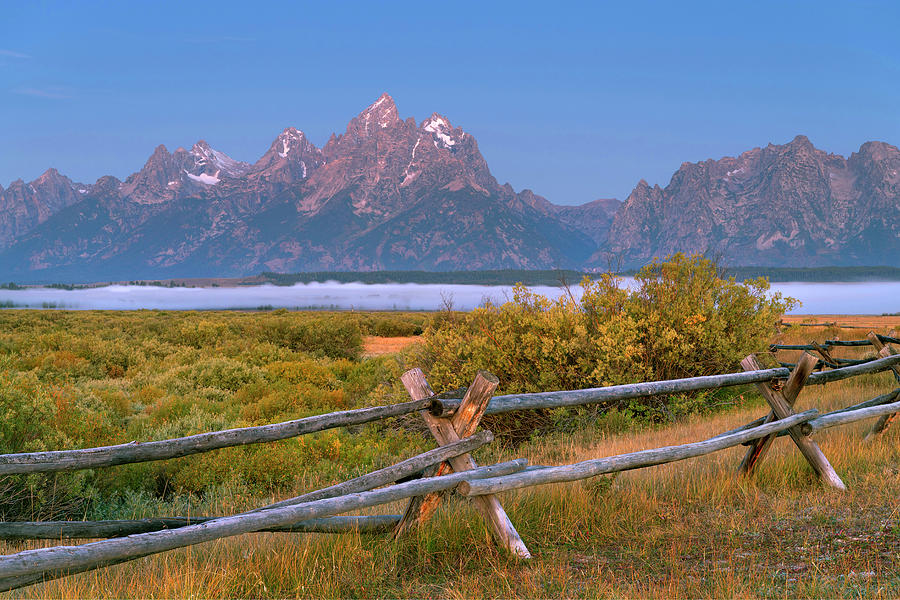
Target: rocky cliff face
[(24, 206), (787, 205), (390, 193)]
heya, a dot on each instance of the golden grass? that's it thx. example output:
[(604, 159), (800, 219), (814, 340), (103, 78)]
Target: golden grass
[(684, 530)]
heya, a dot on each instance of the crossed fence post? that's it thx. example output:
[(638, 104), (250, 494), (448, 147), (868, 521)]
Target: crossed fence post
[(781, 399), (462, 424), (884, 350)]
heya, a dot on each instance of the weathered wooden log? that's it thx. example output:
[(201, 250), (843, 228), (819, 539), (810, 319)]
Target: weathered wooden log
[(746, 426), (134, 452), (513, 402), (774, 347), (806, 428), (783, 409), (61, 560), (874, 366), (789, 393), (613, 393), (369, 481), (404, 468), (843, 418), (55, 530), (627, 462), (463, 423)]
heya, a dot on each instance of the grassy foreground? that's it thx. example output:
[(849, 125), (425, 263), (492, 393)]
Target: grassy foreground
[(689, 529)]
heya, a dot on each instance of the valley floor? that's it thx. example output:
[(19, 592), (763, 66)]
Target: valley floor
[(688, 529)]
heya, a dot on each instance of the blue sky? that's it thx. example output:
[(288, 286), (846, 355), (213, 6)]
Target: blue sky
[(576, 101)]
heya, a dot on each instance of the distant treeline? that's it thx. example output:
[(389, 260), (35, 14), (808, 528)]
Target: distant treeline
[(816, 273), (498, 277), (570, 277)]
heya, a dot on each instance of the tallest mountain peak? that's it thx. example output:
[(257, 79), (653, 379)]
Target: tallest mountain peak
[(381, 114)]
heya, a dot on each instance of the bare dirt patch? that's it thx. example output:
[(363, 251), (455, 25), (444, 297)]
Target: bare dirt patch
[(374, 345)]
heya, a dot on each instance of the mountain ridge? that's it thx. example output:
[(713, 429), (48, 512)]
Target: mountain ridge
[(397, 194)]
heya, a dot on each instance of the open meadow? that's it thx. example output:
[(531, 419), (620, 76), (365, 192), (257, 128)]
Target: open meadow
[(687, 529)]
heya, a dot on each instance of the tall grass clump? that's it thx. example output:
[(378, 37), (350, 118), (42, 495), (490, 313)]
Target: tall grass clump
[(681, 320)]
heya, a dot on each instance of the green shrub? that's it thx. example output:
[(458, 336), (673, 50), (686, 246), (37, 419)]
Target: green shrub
[(681, 320), (330, 336)]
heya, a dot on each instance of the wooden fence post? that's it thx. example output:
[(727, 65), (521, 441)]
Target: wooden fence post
[(790, 391), (463, 423), (883, 351), (782, 409)]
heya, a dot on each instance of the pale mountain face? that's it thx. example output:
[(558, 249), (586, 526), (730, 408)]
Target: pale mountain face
[(391, 193), (787, 205), (23, 206)]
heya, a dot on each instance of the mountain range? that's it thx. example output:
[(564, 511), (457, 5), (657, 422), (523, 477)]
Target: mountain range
[(395, 194)]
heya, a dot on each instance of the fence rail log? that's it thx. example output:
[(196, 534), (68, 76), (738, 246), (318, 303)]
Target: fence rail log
[(134, 452), (627, 462), (848, 343), (513, 402), (405, 468), (746, 426), (845, 417), (56, 530), (61, 560), (807, 428)]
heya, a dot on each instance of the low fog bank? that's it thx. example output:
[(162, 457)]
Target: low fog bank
[(330, 295), (817, 298)]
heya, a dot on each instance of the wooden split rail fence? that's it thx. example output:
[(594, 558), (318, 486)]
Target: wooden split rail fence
[(454, 425)]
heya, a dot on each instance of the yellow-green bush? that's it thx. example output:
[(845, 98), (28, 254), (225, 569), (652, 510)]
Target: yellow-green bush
[(681, 320)]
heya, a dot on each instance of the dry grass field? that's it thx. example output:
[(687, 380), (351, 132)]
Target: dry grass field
[(880, 323), (684, 530)]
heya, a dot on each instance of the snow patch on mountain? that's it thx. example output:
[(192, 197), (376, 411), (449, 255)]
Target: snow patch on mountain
[(204, 178), (440, 128)]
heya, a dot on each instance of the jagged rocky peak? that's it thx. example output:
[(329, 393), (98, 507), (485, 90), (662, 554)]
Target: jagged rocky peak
[(801, 141), (156, 181), (877, 152), (56, 188), (291, 157), (645, 190), (380, 115), (211, 161), (442, 132), (25, 205), (291, 142), (107, 184), (51, 175)]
